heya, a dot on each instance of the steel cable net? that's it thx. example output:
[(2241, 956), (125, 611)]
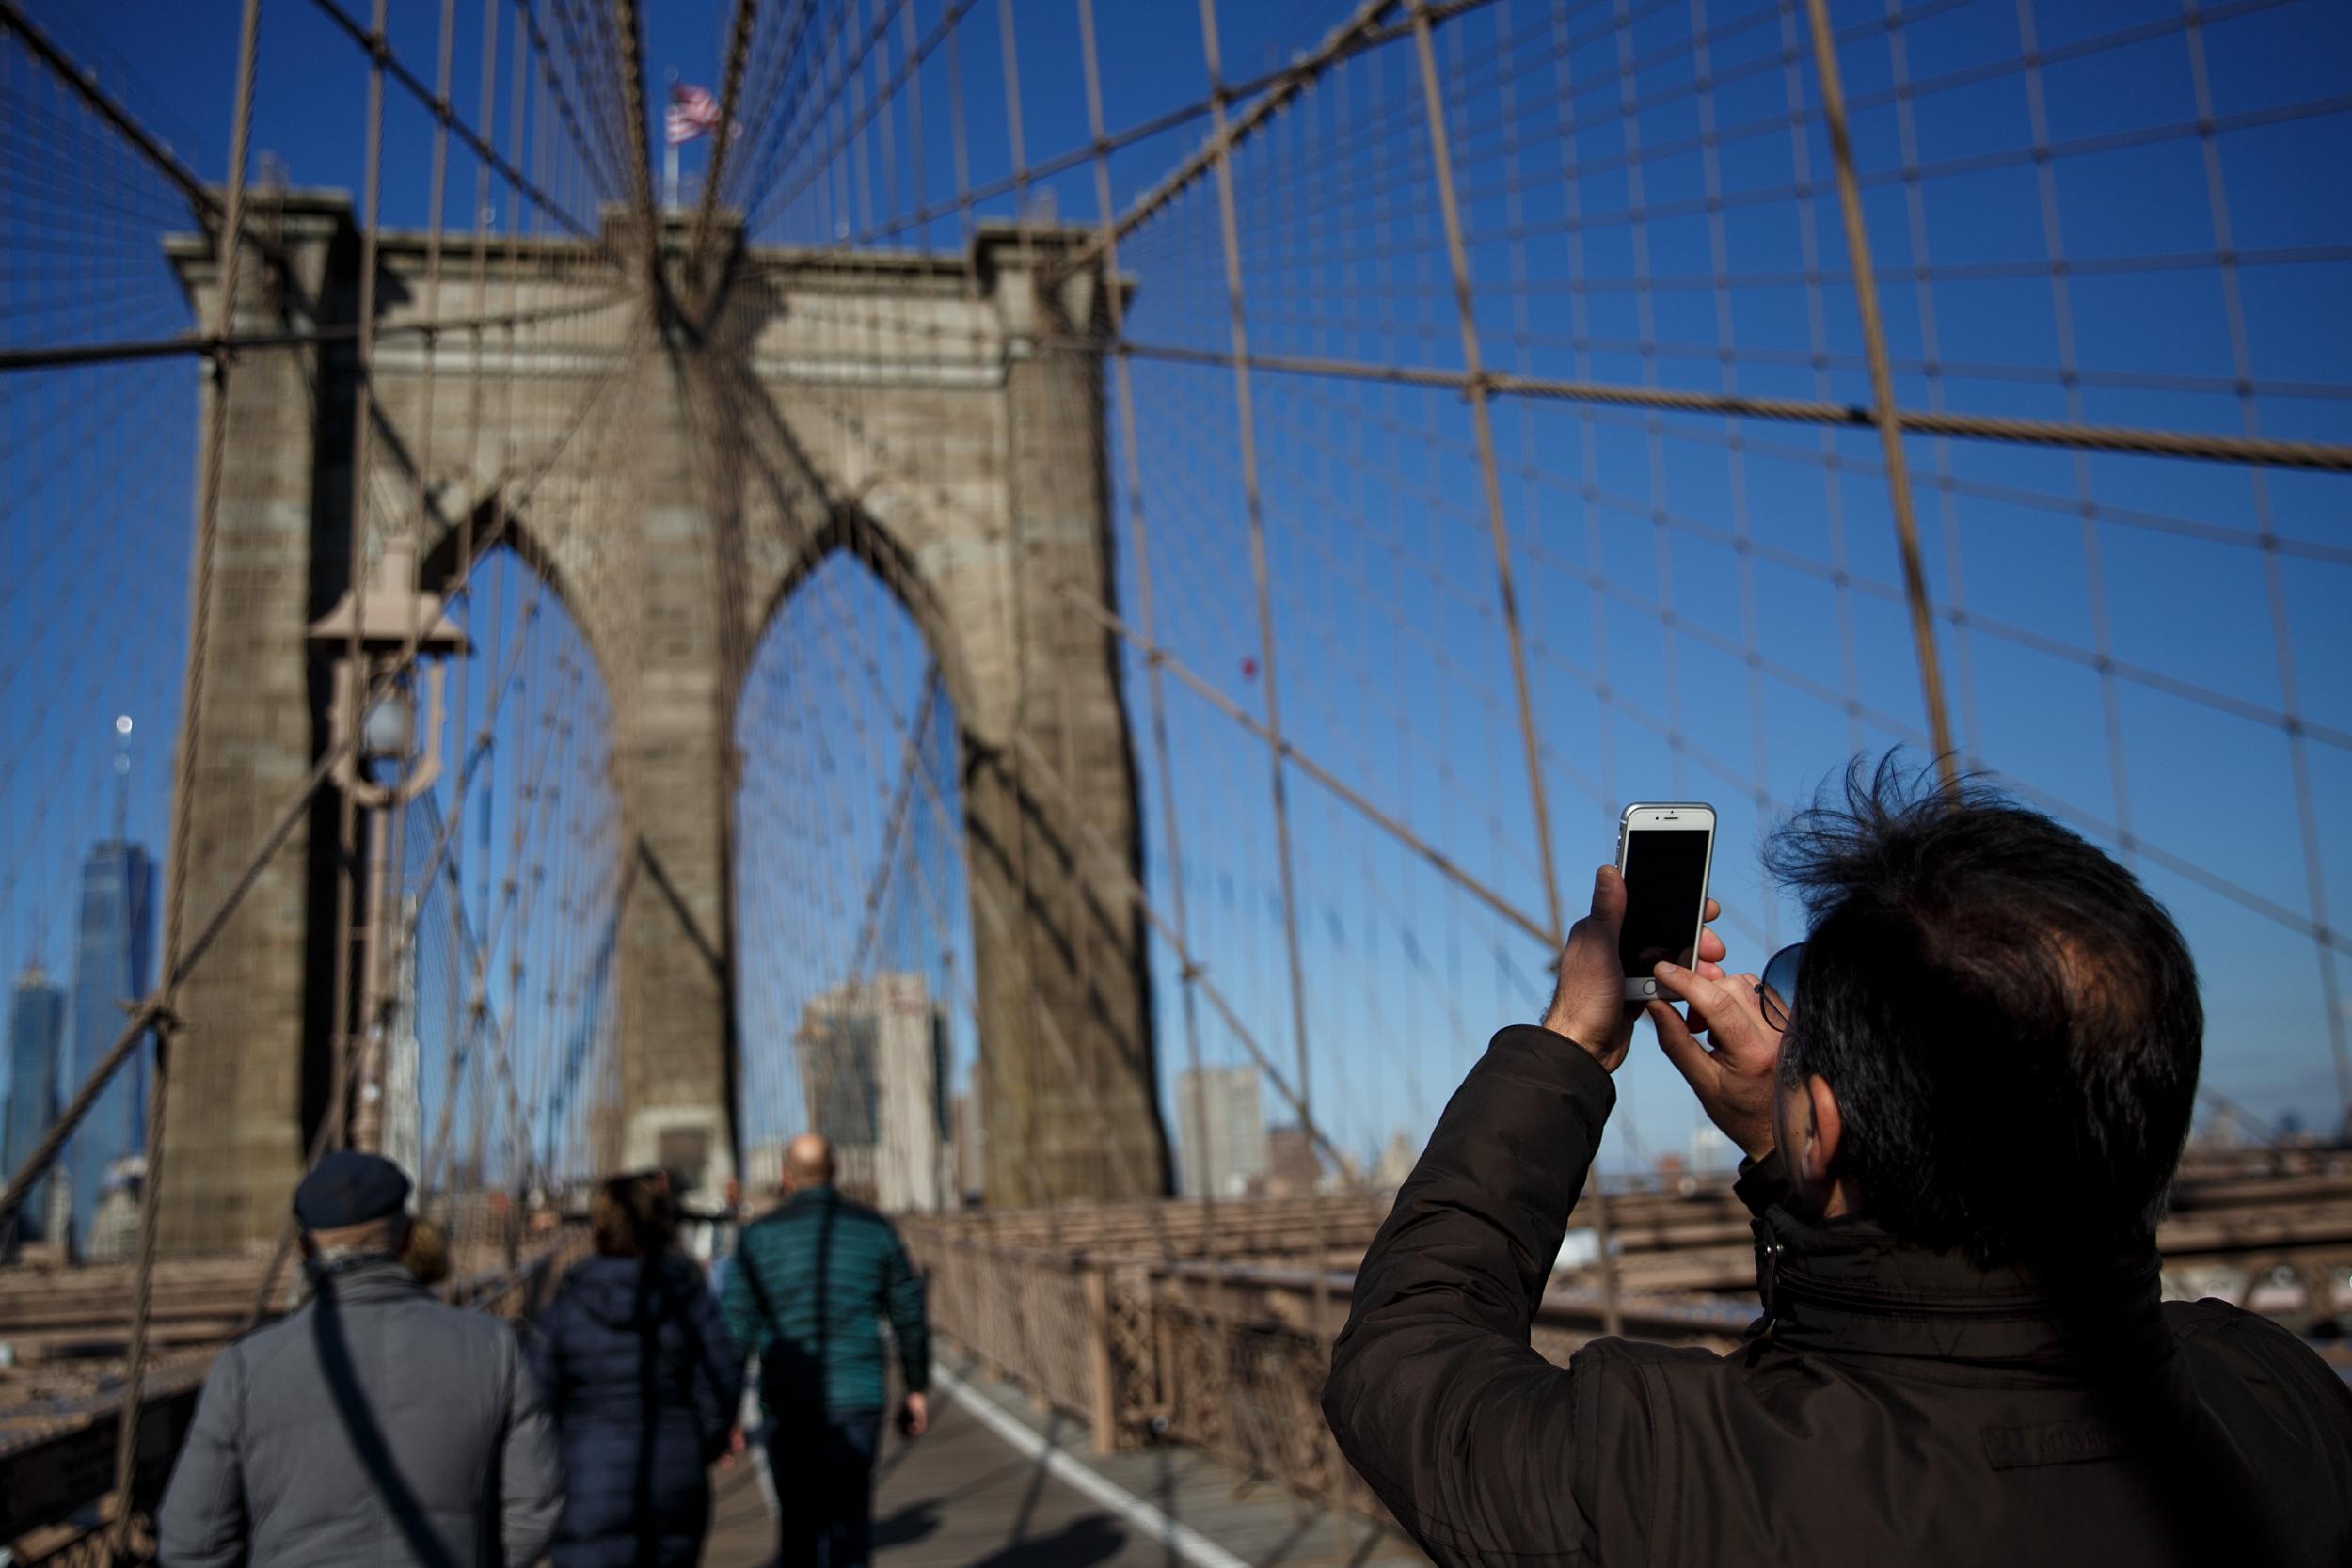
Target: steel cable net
[(1508, 409), (1713, 606), (466, 1025), (1619, 354), (1651, 237), (853, 904), (1694, 499)]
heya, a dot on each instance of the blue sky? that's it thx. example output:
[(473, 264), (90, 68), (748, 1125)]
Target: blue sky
[(2116, 637)]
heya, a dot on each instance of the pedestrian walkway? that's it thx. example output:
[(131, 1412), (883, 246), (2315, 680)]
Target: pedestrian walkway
[(995, 1485)]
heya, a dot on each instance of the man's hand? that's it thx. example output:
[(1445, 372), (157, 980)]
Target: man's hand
[(1589, 1004), (1735, 1072), (736, 1446), (914, 1415)]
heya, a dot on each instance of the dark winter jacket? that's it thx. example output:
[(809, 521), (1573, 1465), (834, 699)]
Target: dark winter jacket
[(1894, 1405), (807, 1289), (643, 1384), (375, 1425)]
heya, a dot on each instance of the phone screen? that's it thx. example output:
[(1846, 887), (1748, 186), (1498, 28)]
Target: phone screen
[(1666, 880)]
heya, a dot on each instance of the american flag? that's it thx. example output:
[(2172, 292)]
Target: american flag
[(692, 113)]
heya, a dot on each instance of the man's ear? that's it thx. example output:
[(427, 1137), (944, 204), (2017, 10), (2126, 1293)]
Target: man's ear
[(1825, 1128)]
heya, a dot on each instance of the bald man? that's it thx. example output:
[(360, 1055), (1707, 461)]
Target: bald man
[(808, 1288)]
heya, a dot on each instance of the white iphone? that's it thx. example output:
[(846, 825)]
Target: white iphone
[(1665, 853)]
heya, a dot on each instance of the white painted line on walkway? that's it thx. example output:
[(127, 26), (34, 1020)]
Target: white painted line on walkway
[(1187, 1542)]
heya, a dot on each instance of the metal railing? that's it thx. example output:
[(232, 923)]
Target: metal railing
[(1218, 1354), (1127, 1321)]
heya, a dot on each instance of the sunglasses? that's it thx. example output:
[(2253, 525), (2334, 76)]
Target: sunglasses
[(1776, 994)]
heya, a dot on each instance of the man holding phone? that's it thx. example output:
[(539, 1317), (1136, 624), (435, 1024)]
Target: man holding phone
[(1959, 1130)]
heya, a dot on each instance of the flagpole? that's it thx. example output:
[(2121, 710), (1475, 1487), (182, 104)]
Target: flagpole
[(669, 157)]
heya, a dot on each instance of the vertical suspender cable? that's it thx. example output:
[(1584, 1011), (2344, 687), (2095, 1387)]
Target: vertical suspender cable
[(1884, 411), (1155, 681), (232, 249), (1319, 1262), (359, 1108), (1482, 420), (389, 960), (632, 36)]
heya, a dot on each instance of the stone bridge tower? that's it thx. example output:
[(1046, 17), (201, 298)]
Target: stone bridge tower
[(941, 416)]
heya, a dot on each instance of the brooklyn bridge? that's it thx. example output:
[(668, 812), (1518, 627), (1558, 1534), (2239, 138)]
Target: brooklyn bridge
[(1063, 594)]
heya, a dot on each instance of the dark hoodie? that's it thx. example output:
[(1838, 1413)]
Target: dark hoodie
[(643, 1384)]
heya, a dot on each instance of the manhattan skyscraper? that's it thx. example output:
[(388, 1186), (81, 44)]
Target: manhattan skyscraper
[(113, 963), (36, 1029)]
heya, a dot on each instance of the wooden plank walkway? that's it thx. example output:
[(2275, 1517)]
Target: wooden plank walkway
[(966, 1496)]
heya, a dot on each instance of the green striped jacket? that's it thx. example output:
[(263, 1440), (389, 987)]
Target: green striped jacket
[(808, 1290)]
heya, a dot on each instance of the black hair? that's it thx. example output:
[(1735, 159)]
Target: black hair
[(2009, 1021)]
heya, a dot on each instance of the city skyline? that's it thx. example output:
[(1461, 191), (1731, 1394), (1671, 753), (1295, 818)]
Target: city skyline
[(113, 967), (32, 1092), (1221, 1134), (873, 1058), (68, 1029)]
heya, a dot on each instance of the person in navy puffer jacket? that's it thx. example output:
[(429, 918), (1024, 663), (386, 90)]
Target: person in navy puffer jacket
[(643, 1384)]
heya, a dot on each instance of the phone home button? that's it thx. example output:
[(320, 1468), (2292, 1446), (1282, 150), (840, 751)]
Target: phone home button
[(1649, 987)]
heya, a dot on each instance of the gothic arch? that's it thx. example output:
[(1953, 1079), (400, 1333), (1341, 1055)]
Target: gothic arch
[(851, 530), (443, 560)]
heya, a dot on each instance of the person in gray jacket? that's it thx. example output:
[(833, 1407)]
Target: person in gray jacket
[(375, 1424)]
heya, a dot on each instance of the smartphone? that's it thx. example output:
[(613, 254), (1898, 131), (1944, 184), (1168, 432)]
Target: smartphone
[(1664, 854)]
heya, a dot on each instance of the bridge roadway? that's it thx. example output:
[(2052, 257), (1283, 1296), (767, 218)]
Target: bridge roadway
[(996, 1485)]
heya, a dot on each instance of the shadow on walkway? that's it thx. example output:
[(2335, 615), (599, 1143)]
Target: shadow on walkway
[(963, 1496), (909, 1525), (1080, 1544)]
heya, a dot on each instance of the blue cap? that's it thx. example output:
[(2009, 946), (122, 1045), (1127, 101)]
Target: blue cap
[(349, 1188)]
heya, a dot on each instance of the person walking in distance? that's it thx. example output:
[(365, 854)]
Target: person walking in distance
[(643, 1382), (374, 1424), (809, 1286)]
